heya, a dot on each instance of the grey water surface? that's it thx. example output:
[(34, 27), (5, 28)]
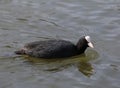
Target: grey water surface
[(23, 21)]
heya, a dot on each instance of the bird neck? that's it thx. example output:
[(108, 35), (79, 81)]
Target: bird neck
[(81, 49), (81, 45)]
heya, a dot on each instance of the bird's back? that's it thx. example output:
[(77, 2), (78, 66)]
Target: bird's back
[(51, 49)]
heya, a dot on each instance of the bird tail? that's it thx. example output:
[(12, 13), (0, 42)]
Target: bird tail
[(20, 52)]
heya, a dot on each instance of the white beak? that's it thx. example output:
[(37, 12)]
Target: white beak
[(90, 45)]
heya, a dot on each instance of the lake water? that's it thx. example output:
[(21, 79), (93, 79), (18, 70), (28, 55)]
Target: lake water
[(23, 21)]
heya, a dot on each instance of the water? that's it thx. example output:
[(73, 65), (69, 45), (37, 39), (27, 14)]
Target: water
[(22, 21)]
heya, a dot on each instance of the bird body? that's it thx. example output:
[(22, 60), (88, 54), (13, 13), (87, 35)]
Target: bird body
[(54, 48)]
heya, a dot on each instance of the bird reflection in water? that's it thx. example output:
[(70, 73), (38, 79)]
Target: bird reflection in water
[(86, 68), (80, 62)]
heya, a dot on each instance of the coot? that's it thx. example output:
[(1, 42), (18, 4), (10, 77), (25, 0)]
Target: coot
[(55, 48)]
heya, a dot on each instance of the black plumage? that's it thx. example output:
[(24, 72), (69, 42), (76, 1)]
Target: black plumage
[(54, 48)]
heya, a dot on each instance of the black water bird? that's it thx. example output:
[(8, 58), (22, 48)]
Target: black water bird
[(55, 48)]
